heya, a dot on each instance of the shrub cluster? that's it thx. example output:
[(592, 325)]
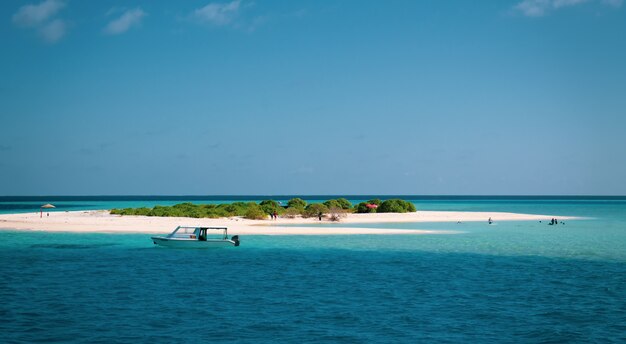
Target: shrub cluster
[(315, 210), (255, 212), (387, 206), (341, 203), (295, 207), (395, 206), (363, 208), (296, 203), (270, 207), (190, 210)]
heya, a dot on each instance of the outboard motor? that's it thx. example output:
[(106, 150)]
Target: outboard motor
[(235, 238)]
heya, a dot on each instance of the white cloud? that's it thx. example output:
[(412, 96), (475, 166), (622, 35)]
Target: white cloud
[(218, 13), (53, 31), (34, 15), (539, 8), (127, 20), (41, 17), (533, 8)]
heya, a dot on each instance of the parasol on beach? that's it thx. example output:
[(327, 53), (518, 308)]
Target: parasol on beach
[(45, 206), (371, 206)]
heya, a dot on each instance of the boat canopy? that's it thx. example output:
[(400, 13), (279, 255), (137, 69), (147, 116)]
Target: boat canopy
[(194, 232)]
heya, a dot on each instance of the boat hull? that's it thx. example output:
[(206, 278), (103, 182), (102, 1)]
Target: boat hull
[(189, 243)]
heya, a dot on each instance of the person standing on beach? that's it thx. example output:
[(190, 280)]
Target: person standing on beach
[(319, 215), (275, 215)]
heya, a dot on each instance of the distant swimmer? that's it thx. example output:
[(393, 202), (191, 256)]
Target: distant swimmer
[(490, 222)]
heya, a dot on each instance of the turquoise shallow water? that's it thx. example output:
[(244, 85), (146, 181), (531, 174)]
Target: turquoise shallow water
[(509, 282)]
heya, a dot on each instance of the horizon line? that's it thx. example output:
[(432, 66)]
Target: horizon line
[(315, 195)]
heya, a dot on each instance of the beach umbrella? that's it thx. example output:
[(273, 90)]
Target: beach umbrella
[(45, 206), (371, 206)]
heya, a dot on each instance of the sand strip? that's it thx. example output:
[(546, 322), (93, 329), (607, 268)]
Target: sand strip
[(100, 221)]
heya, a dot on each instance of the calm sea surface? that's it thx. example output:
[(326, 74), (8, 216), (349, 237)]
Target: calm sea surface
[(521, 282)]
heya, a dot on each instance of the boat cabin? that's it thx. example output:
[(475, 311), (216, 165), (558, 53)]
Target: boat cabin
[(199, 233)]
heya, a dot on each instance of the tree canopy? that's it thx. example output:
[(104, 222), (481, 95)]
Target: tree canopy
[(297, 203), (395, 206), (296, 207)]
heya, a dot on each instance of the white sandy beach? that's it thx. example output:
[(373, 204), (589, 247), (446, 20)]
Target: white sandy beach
[(100, 221)]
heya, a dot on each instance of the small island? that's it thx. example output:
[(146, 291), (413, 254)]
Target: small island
[(251, 218)]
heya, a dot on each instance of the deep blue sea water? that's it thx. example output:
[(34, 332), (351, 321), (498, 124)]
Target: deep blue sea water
[(521, 282)]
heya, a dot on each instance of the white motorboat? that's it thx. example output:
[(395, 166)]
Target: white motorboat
[(197, 237)]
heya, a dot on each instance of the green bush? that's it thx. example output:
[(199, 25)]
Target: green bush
[(375, 201), (338, 203), (395, 206), (142, 211), (344, 203), (362, 208), (297, 203), (410, 207), (255, 212), (313, 210), (270, 207), (131, 211), (332, 203), (232, 209)]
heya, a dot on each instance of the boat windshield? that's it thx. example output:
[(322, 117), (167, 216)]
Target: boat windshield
[(185, 232)]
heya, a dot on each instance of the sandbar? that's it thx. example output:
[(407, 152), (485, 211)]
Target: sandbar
[(101, 221)]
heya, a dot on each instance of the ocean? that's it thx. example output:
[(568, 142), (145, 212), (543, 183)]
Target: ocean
[(521, 282)]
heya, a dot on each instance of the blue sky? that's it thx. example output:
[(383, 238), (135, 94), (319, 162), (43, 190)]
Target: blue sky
[(312, 97)]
